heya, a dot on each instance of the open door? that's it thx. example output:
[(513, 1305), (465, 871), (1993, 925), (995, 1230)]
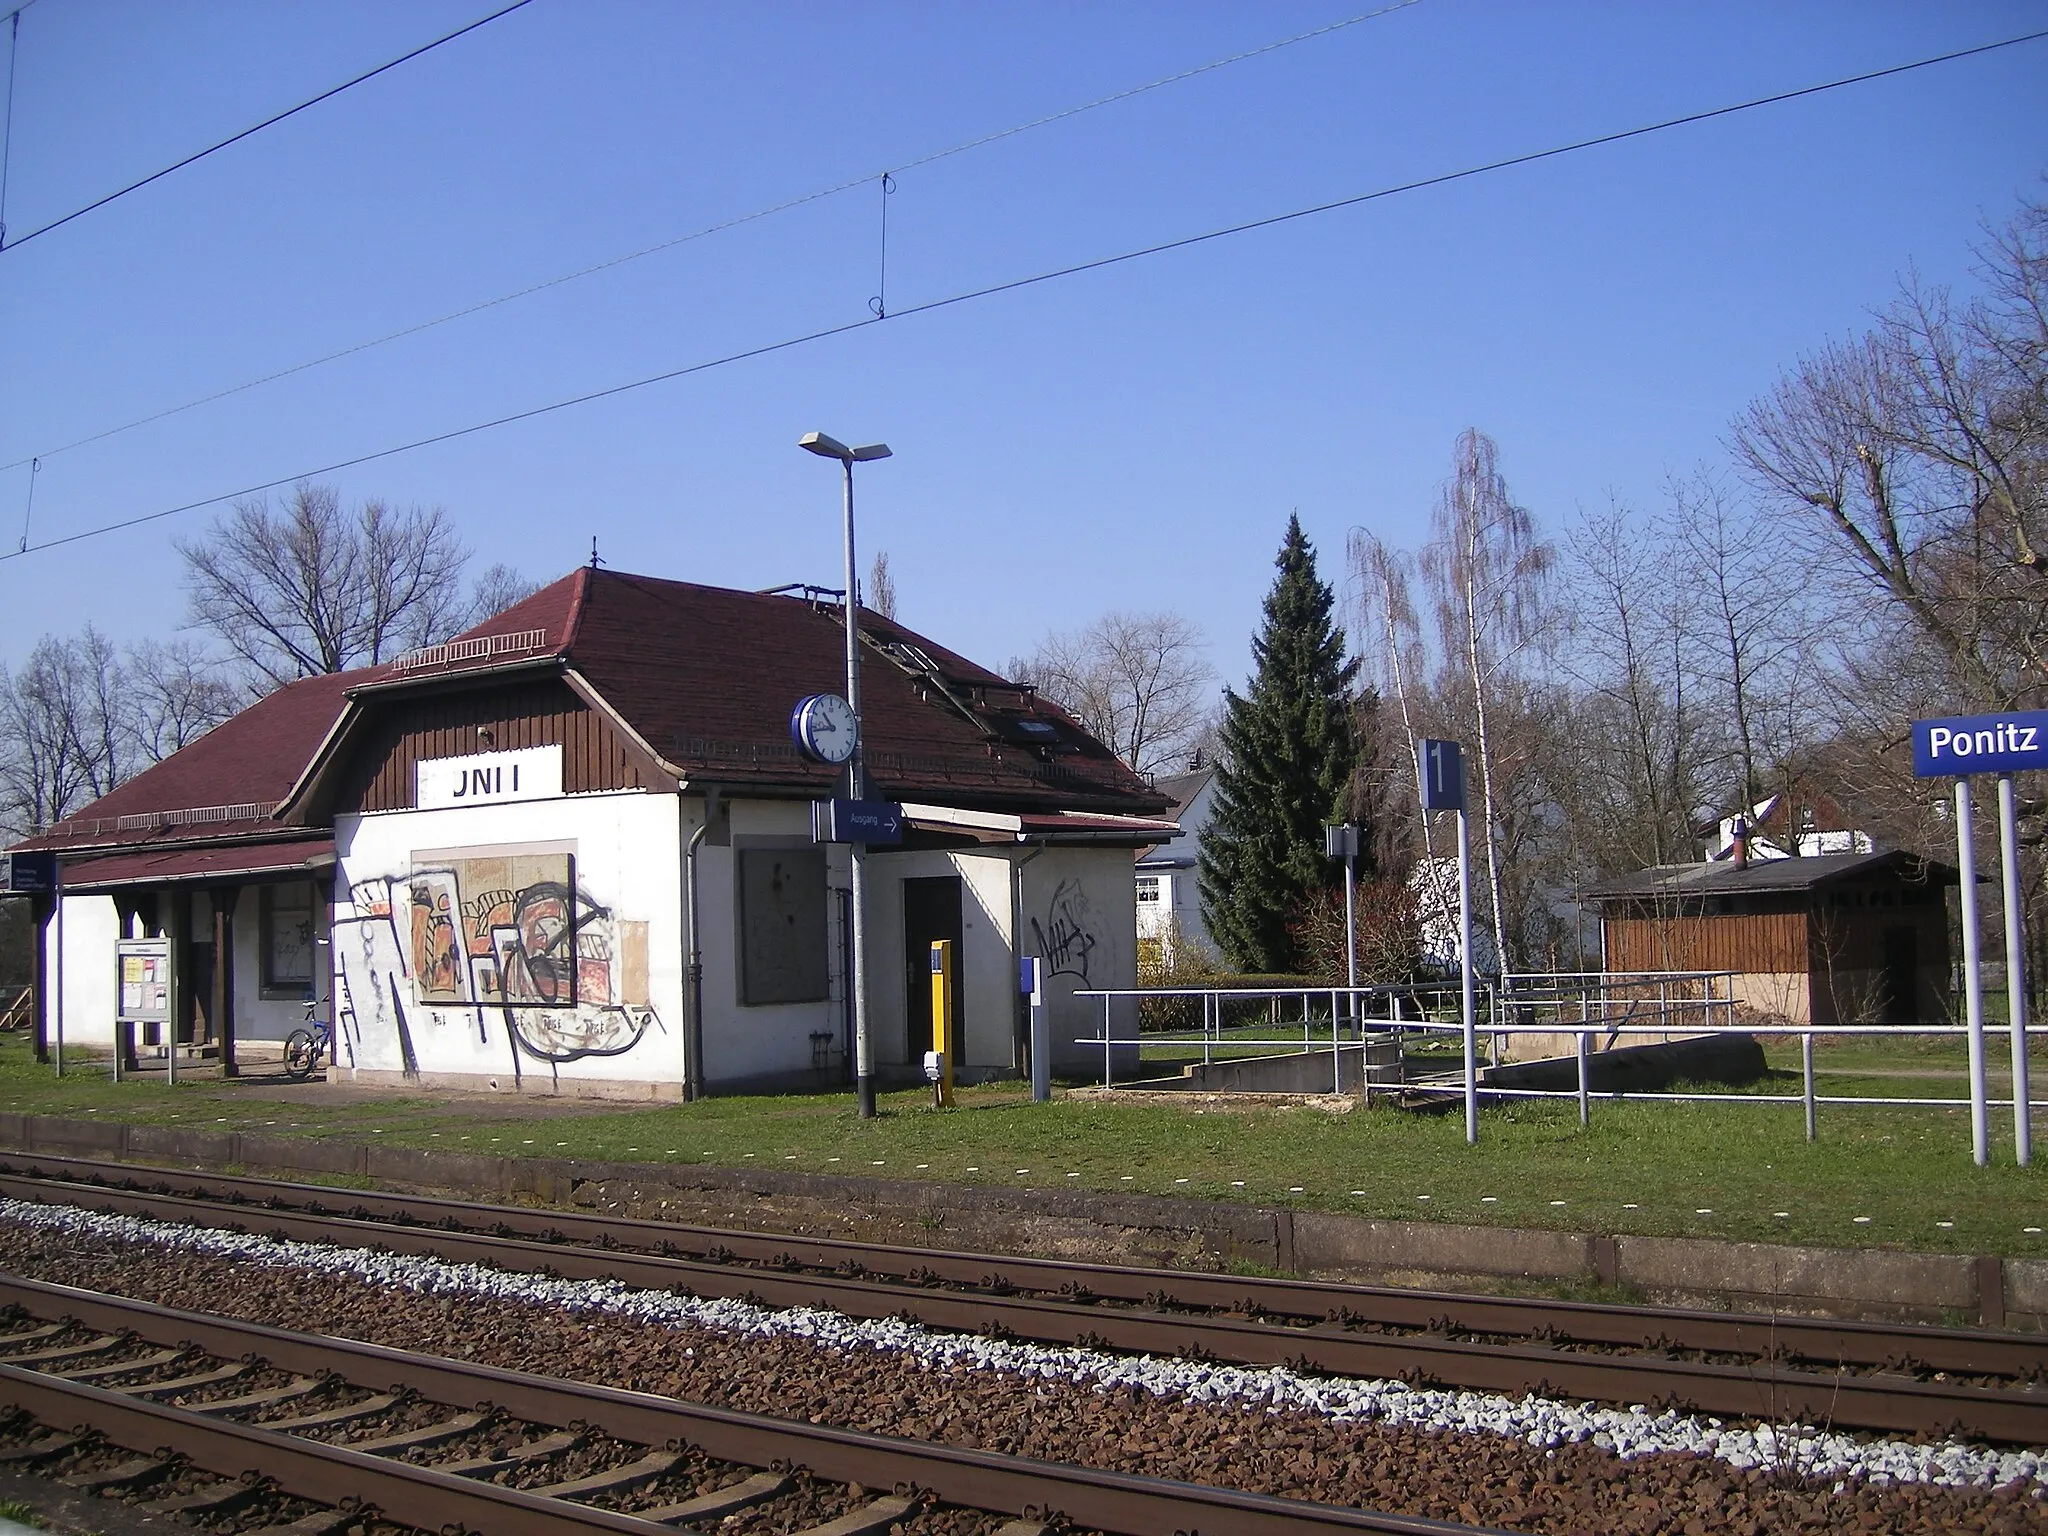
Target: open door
[(931, 912)]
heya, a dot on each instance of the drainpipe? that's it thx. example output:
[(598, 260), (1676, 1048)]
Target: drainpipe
[(693, 975)]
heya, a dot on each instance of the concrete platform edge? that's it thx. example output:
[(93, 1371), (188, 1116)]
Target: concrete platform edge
[(1875, 1283)]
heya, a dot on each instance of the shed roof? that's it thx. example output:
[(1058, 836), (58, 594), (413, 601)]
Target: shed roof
[(1722, 878)]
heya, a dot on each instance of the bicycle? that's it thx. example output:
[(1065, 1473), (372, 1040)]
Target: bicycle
[(304, 1048)]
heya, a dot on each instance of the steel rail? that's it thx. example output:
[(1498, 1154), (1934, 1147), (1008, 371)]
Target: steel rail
[(1968, 1351), (1764, 1389), (1109, 1501)]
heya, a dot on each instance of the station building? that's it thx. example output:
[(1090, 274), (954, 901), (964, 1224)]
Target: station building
[(479, 860)]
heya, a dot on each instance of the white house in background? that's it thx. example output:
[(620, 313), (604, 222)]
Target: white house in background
[(1802, 824), (1169, 904)]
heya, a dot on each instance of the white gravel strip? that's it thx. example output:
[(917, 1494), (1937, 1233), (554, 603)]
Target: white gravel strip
[(1539, 1421)]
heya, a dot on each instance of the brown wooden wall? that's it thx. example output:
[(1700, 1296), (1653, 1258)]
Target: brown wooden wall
[(1773, 942), (547, 712)]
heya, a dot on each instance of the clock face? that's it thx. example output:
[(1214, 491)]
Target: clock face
[(825, 728)]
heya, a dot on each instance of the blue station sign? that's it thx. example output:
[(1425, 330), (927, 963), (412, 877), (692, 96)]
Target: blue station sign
[(28, 874), (856, 821), (1440, 775), (1964, 744)]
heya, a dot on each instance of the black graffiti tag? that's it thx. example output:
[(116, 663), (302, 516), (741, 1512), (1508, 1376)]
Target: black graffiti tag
[(1064, 938)]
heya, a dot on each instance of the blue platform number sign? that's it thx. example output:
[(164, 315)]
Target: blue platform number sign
[(1964, 744), (1440, 771)]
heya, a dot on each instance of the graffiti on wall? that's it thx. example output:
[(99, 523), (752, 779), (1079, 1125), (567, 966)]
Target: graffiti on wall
[(1067, 936), (509, 938)]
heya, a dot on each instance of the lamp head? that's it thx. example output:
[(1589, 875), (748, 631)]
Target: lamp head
[(831, 448)]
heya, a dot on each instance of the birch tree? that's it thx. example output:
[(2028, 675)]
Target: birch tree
[(1488, 575)]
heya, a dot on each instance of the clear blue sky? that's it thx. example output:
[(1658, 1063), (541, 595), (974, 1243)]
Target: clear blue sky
[(1131, 438)]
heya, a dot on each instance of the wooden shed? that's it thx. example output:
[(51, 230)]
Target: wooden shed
[(1840, 938)]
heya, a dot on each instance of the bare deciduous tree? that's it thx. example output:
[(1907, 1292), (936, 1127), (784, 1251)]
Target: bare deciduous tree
[(881, 592), (1137, 681), (59, 744), (175, 693), (1914, 461), (309, 588), (78, 718), (1641, 750), (497, 589), (1489, 574)]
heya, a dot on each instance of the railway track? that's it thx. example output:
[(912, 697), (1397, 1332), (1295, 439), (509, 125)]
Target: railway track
[(322, 1434), (1870, 1376)]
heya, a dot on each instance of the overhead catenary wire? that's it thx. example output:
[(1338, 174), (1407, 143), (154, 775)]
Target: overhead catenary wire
[(723, 225), (7, 122), (255, 128), (1013, 285)]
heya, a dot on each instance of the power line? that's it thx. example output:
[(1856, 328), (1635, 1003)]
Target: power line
[(7, 123), (268, 122), (714, 229), (931, 306)]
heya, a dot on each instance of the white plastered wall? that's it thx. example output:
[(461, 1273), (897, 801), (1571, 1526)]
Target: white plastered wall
[(627, 868), (759, 1043), (1078, 918), (90, 990)]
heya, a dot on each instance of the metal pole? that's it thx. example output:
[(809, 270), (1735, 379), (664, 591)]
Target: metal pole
[(863, 1051), (1806, 1067), (1336, 1054), (2015, 971), (57, 976), (1465, 1003), (1585, 1110), (1106, 1083), (1351, 928), (1973, 980), (1041, 1036)]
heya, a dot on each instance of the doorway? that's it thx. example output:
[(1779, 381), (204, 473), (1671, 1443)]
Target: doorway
[(1901, 957), (931, 912)]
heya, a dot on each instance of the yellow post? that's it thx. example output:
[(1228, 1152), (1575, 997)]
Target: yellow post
[(942, 1018)]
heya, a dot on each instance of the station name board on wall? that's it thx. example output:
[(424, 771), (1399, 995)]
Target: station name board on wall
[(489, 778)]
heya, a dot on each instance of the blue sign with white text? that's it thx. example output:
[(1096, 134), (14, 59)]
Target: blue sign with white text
[(1440, 773), (2005, 743), (856, 821)]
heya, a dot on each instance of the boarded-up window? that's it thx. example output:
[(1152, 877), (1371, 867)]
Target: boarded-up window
[(782, 925), (286, 913)]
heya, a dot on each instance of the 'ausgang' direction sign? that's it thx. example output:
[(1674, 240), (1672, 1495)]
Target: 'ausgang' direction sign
[(1966, 744)]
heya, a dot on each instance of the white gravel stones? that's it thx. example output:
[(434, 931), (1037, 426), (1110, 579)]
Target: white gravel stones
[(1542, 1422)]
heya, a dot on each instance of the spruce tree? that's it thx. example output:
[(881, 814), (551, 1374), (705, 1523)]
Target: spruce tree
[(1284, 772)]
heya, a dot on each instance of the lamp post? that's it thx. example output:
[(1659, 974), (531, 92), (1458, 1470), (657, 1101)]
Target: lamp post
[(856, 779)]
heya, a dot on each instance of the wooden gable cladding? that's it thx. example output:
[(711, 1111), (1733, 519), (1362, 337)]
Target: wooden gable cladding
[(1766, 941), (535, 713)]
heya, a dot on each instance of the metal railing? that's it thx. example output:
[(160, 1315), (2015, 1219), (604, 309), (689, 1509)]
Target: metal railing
[(1583, 1005)]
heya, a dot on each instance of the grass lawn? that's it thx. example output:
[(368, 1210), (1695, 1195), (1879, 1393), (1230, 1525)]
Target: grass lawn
[(1708, 1170)]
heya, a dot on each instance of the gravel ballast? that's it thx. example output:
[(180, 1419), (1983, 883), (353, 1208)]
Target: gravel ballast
[(1528, 1463)]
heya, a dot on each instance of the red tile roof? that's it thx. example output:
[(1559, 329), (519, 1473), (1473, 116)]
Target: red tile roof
[(706, 675), (224, 785)]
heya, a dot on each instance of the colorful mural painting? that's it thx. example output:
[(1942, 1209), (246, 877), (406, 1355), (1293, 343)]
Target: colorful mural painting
[(504, 936)]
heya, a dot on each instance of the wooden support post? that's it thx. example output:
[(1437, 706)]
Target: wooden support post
[(222, 1004), (45, 908)]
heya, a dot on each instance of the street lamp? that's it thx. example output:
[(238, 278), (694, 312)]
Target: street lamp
[(856, 779)]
